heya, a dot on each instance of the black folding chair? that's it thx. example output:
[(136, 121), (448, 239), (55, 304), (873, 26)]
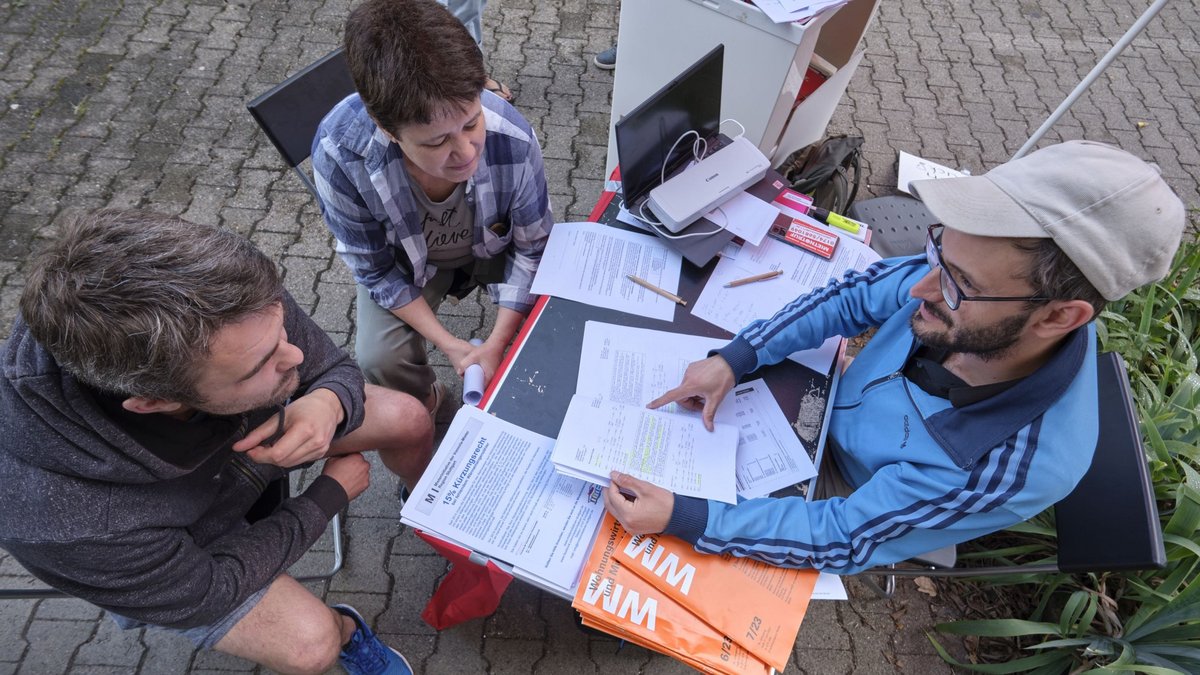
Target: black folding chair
[(898, 223), (290, 112), (1110, 521)]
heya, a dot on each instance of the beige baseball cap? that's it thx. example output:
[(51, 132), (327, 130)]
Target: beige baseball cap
[(1110, 212)]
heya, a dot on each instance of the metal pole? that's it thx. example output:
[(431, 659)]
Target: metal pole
[(1100, 67)]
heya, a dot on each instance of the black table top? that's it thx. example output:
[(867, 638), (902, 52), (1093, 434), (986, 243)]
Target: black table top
[(540, 381)]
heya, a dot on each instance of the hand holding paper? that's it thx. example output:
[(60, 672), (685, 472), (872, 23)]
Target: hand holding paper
[(473, 380)]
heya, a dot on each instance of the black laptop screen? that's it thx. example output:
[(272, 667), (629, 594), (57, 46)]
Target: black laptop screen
[(645, 135)]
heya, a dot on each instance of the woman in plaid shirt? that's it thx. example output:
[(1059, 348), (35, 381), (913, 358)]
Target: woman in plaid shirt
[(431, 186)]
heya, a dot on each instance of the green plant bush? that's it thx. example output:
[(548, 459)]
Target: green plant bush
[(1144, 622)]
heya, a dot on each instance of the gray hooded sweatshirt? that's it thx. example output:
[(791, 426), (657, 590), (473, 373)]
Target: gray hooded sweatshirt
[(155, 535)]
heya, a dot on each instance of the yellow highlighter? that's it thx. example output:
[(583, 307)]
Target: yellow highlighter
[(835, 220)]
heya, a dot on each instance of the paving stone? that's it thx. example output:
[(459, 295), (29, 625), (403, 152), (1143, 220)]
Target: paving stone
[(111, 646), (14, 615), (69, 609), (166, 653), (141, 104), (816, 661), (52, 643)]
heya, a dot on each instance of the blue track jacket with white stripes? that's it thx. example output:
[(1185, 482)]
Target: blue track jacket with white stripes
[(927, 474)]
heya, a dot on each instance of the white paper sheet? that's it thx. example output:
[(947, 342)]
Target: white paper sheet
[(672, 451), (769, 455), (786, 11), (918, 168), (492, 488), (734, 308), (746, 216), (829, 587), (636, 365), (588, 262)]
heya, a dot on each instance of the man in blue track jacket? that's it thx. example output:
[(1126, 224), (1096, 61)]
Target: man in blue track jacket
[(974, 407)]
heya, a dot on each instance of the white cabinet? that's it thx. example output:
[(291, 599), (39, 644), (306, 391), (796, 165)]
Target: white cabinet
[(765, 64)]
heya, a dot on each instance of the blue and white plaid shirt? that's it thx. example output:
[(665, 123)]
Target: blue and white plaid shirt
[(368, 204)]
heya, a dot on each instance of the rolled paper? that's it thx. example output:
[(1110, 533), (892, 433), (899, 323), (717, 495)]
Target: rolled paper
[(473, 380)]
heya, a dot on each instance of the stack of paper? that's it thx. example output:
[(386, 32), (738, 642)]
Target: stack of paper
[(491, 488), (800, 11), (591, 263), (670, 450), (634, 366), (658, 592)]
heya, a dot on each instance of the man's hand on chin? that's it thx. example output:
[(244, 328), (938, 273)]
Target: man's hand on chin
[(308, 427), (649, 509)]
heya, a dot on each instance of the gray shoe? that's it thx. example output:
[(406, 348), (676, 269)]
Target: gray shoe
[(607, 59)]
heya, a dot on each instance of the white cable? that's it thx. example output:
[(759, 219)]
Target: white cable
[(697, 153), (685, 236), (699, 150), (743, 128)]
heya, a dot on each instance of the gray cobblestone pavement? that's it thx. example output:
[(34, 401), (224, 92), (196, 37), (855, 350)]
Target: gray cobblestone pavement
[(140, 103)]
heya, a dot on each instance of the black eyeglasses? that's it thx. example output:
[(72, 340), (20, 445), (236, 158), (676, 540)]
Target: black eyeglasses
[(952, 293)]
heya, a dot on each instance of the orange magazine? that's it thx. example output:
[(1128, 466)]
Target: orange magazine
[(748, 664), (614, 599), (759, 605)]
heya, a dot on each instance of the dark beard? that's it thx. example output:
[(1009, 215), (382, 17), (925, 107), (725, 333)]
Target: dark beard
[(987, 342)]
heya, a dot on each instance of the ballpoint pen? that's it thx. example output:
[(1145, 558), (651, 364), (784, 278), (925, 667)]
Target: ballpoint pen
[(651, 287), (757, 277)]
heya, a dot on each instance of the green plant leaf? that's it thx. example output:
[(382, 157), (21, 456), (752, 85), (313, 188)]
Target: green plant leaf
[(1055, 661), (1077, 614), (1066, 642), (998, 628), (1192, 653), (1186, 518), (1184, 607), (1139, 668), (1186, 543)]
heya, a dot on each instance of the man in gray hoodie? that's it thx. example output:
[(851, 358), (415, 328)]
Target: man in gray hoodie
[(157, 379)]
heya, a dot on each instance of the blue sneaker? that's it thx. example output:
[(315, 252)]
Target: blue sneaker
[(607, 59), (365, 654)]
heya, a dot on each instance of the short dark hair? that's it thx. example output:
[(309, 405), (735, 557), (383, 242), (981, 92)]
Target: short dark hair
[(411, 61), (129, 301), (1054, 275)]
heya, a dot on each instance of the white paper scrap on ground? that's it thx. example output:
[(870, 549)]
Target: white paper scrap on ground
[(734, 308), (829, 587), (636, 365), (918, 168), (746, 216), (672, 451), (492, 488), (588, 262)]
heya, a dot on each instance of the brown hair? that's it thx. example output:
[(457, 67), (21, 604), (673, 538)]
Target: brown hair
[(411, 61), (129, 301), (1055, 276)]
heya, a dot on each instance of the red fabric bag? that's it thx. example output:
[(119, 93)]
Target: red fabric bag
[(469, 591)]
